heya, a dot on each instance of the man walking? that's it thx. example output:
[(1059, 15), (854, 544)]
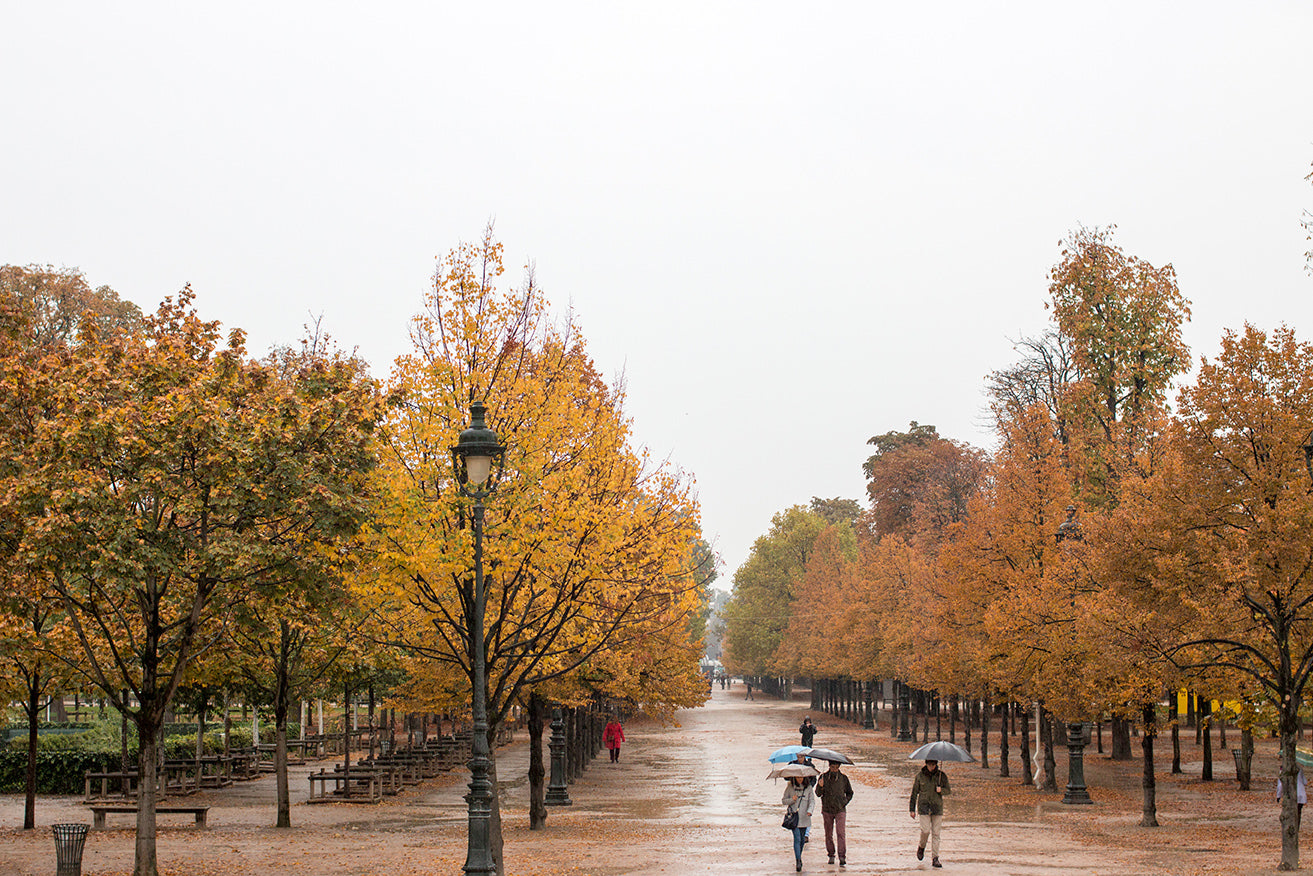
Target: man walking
[(928, 792), (835, 792), (808, 731)]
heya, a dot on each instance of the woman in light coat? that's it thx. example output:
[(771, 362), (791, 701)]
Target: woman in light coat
[(800, 798)]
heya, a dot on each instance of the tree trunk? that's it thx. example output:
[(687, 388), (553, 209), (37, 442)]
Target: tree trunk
[(1246, 758), (1121, 738), (33, 709), (1003, 740), (985, 709), (1289, 728), (1027, 773), (124, 763), (537, 769), (1149, 815), (1206, 727), (346, 736), (494, 823), (1050, 762), (282, 702), (284, 796), (373, 744), (952, 720), (966, 725), (148, 731), (202, 709)]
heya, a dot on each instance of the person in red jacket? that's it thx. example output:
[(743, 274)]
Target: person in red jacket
[(612, 736)]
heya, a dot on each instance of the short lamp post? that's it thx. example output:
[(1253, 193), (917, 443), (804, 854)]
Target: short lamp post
[(473, 459), (905, 733), (558, 794), (1076, 792)]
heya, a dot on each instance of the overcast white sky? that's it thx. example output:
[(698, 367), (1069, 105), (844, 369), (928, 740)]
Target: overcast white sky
[(792, 226)]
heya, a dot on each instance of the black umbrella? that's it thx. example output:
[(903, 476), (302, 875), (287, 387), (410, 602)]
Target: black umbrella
[(827, 754), (942, 751)]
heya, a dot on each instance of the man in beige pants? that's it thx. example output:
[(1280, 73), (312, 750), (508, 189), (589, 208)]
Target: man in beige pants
[(928, 790)]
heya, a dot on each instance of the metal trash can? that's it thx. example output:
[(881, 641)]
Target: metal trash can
[(69, 840)]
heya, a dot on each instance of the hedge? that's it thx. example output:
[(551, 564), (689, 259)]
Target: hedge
[(57, 772)]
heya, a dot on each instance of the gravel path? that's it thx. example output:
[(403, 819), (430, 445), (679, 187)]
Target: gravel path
[(693, 800)]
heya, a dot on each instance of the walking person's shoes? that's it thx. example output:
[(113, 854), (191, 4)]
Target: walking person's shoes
[(843, 862), (831, 861), (934, 862), (798, 868), (920, 853)]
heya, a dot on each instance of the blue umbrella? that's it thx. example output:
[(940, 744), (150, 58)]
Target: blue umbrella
[(788, 753)]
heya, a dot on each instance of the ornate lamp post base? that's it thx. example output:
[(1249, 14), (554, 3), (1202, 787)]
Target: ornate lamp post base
[(1076, 792), (557, 795), (905, 733)]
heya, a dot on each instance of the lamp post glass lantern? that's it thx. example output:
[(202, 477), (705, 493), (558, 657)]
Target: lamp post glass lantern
[(473, 459)]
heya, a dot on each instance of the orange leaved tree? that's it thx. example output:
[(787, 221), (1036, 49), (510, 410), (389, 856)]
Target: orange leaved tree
[(175, 475), (1227, 530), (586, 538)]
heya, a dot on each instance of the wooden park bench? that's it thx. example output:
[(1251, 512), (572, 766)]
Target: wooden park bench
[(98, 786), (348, 786), (100, 810)]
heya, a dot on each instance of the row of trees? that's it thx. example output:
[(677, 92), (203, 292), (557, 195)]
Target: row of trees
[(178, 518), (1108, 551)]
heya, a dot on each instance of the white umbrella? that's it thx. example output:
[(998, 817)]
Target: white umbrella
[(942, 751), (793, 770)]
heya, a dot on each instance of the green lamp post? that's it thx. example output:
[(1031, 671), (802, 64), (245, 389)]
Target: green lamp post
[(476, 454)]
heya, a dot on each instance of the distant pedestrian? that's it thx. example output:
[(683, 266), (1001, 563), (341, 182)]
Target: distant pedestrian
[(612, 736), (927, 801), (808, 730), (835, 792), (1301, 797), (800, 800), (748, 682)]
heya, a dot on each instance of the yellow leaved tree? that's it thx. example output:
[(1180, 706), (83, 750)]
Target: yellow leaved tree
[(586, 539)]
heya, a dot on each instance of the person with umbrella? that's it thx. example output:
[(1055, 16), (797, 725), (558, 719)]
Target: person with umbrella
[(808, 731), (799, 800), (836, 792), (928, 791)]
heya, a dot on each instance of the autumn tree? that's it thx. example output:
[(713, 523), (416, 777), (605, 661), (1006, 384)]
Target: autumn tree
[(59, 303), (1042, 376), (41, 310), (1227, 530), (765, 588), (812, 642), (290, 627), (1124, 318), (177, 475), (586, 538), (920, 486)]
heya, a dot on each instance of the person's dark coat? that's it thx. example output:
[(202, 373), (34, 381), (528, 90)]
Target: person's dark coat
[(926, 800), (835, 791)]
